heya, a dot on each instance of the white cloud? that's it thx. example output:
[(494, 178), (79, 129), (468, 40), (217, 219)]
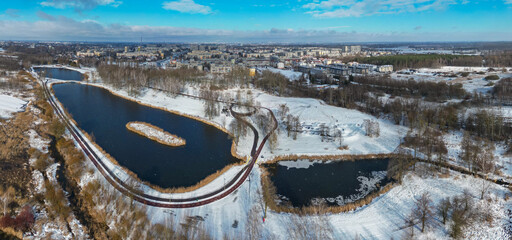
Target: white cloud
[(187, 6), (60, 28), (357, 8), (508, 1), (80, 4)]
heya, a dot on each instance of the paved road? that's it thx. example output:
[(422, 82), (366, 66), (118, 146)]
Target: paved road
[(142, 197)]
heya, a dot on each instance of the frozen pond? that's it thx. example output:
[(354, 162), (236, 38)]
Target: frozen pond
[(303, 182)]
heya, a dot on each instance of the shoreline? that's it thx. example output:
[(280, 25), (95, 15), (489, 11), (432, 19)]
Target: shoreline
[(270, 196), (208, 179)]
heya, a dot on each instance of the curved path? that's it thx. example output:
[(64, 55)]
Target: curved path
[(147, 199)]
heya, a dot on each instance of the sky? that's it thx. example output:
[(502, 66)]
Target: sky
[(257, 21)]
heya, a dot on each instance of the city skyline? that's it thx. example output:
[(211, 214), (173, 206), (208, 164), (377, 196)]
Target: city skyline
[(318, 21)]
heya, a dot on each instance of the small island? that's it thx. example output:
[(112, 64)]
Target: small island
[(155, 133)]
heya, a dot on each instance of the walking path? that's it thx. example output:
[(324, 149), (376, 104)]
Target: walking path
[(147, 199)]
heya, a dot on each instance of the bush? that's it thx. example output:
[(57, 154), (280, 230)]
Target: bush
[(57, 201), (57, 129), (23, 222), (492, 77), (6, 221), (41, 162), (25, 219)]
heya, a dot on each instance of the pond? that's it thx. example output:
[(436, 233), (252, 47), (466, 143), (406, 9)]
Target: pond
[(304, 182), (104, 116), (60, 73)]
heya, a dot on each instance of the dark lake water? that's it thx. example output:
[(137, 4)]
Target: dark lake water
[(60, 73), (104, 116), (335, 183)]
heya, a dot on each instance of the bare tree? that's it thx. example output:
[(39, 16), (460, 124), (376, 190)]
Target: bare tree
[(443, 208), (423, 210), (253, 225), (324, 131), (462, 214), (371, 128), (409, 222), (292, 126), (399, 164), (211, 106), (283, 111), (7, 196), (338, 135), (272, 142)]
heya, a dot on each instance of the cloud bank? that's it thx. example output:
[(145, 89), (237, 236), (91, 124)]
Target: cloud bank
[(357, 8), (80, 4), (60, 28)]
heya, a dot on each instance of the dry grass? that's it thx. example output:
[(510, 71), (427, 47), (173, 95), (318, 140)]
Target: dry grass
[(205, 181), (13, 232), (344, 147), (181, 141), (27, 75)]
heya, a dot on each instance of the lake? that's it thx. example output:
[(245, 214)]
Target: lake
[(59, 73), (104, 115)]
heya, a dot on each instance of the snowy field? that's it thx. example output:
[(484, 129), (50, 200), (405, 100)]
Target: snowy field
[(10, 105), (475, 81), (312, 113), (382, 219), (290, 74)]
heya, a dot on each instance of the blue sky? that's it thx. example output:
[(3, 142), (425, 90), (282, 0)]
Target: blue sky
[(257, 21)]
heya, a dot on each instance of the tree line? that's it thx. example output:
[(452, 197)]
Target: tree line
[(404, 61)]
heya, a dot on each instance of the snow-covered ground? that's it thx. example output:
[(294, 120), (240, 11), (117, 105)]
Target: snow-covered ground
[(503, 160), (382, 219), (301, 163), (9, 105), (156, 133), (312, 113), (290, 74), (81, 70)]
